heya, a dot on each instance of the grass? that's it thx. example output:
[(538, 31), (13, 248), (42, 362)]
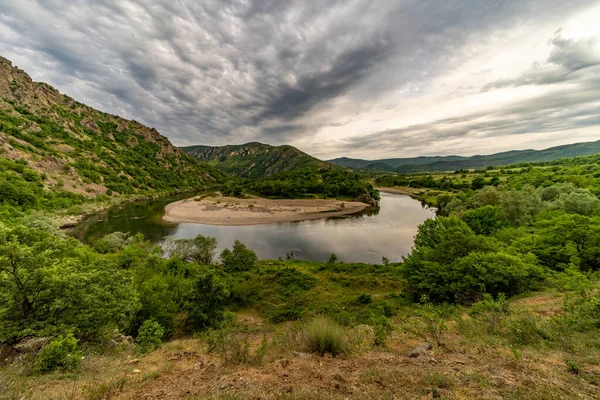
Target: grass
[(323, 336), (528, 348)]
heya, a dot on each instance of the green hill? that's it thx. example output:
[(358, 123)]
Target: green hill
[(52, 146), (452, 163), (255, 160)]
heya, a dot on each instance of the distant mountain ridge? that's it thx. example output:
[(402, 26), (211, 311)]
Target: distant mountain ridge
[(452, 163), (255, 160), (82, 150)]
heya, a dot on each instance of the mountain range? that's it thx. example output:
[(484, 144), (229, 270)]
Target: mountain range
[(255, 160), (453, 163)]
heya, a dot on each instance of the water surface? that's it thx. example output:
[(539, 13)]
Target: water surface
[(365, 237)]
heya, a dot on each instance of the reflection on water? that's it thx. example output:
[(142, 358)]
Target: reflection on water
[(364, 237)]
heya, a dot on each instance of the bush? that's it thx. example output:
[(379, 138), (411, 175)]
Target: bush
[(206, 306), (322, 336), (234, 347), (239, 258), (382, 329), (59, 354), (485, 220), (333, 258), (363, 299), (149, 336), (201, 249)]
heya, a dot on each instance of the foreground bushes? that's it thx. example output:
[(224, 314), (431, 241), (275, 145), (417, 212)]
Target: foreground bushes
[(59, 354)]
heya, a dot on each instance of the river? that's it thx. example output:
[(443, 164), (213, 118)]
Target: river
[(365, 237)]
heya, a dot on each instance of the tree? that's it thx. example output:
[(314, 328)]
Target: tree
[(51, 285), (240, 258), (201, 249), (206, 305), (485, 220), (452, 264), (478, 183)]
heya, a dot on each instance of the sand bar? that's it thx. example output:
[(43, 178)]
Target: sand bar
[(256, 211)]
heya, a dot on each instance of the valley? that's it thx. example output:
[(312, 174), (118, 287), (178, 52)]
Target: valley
[(258, 271)]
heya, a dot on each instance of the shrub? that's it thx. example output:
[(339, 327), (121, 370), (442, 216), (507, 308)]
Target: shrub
[(59, 354), (234, 347), (382, 329), (322, 336), (333, 258), (149, 336), (363, 299), (200, 249), (239, 258), (206, 305)]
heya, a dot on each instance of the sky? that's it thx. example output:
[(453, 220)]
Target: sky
[(357, 78)]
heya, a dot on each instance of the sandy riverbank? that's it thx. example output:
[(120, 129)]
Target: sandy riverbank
[(256, 211)]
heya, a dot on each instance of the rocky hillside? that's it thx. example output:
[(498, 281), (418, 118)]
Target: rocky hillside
[(77, 149), (255, 160)]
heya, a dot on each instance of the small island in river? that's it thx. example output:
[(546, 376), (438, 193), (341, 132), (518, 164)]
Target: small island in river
[(256, 211)]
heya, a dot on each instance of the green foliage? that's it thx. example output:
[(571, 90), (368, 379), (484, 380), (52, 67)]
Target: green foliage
[(233, 346), (201, 249), (382, 329), (431, 322), (53, 284), (485, 220), (332, 259), (450, 263), (206, 304), (239, 258), (150, 336), (323, 336), (60, 354)]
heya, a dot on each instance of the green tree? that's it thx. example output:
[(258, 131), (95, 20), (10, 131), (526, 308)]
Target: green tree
[(485, 220), (239, 258), (206, 304), (201, 249)]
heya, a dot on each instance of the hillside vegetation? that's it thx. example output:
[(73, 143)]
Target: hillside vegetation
[(255, 160), (503, 284), (452, 163), (55, 151)]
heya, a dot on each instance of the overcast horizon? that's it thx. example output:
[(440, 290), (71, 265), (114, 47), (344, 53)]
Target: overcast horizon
[(360, 79)]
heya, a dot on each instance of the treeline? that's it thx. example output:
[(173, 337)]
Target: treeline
[(324, 182), (539, 224)]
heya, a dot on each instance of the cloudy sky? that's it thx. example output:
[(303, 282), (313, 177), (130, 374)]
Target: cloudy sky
[(358, 78)]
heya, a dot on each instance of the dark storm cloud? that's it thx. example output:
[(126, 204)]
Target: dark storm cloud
[(217, 72)]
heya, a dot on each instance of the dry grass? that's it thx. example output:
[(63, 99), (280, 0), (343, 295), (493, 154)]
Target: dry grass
[(465, 368)]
